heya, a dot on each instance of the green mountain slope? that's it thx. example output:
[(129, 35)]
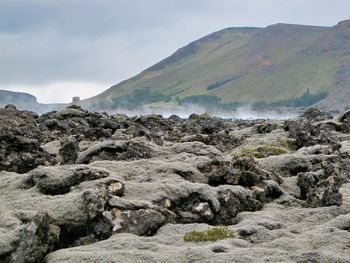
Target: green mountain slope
[(243, 65)]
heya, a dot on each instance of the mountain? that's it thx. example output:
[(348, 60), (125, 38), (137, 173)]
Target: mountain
[(25, 101), (281, 64), (9, 97)]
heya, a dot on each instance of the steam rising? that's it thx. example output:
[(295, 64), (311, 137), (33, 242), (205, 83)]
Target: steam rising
[(244, 113)]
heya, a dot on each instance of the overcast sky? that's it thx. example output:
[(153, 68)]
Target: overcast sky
[(56, 49)]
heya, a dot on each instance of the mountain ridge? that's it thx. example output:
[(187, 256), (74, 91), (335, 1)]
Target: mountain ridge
[(246, 65), (276, 65)]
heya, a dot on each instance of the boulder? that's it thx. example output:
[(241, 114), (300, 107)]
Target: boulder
[(37, 239), (315, 115), (21, 138), (69, 150)]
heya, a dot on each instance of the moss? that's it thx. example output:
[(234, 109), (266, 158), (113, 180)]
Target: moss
[(252, 153), (212, 234), (234, 155), (259, 148), (287, 144), (265, 151), (259, 152), (204, 115)]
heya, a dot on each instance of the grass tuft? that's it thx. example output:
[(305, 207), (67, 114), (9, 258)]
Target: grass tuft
[(212, 234)]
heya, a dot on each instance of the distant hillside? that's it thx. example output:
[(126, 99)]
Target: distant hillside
[(9, 97), (272, 66), (25, 101)]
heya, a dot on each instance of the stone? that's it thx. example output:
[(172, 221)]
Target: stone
[(69, 150), (37, 239), (81, 186)]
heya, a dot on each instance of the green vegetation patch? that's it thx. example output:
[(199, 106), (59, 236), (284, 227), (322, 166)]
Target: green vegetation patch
[(221, 83), (139, 97), (287, 144), (304, 100), (280, 146), (136, 98), (205, 101), (259, 152), (212, 234)]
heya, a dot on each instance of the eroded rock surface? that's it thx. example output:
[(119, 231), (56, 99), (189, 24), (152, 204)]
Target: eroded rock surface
[(79, 186)]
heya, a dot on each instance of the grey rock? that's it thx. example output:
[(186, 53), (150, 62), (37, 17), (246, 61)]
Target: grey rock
[(139, 222), (314, 115), (37, 239), (69, 150), (119, 150), (142, 183), (20, 138), (54, 180)]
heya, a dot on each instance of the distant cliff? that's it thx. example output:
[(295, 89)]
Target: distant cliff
[(11, 97), (25, 101)]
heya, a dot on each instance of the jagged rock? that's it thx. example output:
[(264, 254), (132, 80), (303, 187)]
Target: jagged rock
[(302, 132), (69, 150), (156, 124), (330, 125), (306, 134), (138, 130), (345, 117), (204, 138), (267, 191), (139, 222), (224, 141), (325, 193), (287, 165), (159, 177), (234, 200), (196, 148), (315, 115), (174, 119), (54, 180), (246, 172), (82, 219), (319, 150), (203, 210), (266, 127), (79, 122), (119, 150), (125, 204), (38, 238), (321, 188), (10, 107), (211, 162), (116, 188), (20, 138)]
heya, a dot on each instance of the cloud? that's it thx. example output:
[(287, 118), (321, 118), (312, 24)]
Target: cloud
[(106, 41)]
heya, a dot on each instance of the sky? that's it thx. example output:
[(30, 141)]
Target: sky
[(59, 49)]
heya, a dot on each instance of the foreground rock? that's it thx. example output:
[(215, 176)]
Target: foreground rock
[(100, 188), (21, 138)]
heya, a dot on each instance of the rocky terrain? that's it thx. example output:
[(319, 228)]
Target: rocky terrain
[(80, 186)]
